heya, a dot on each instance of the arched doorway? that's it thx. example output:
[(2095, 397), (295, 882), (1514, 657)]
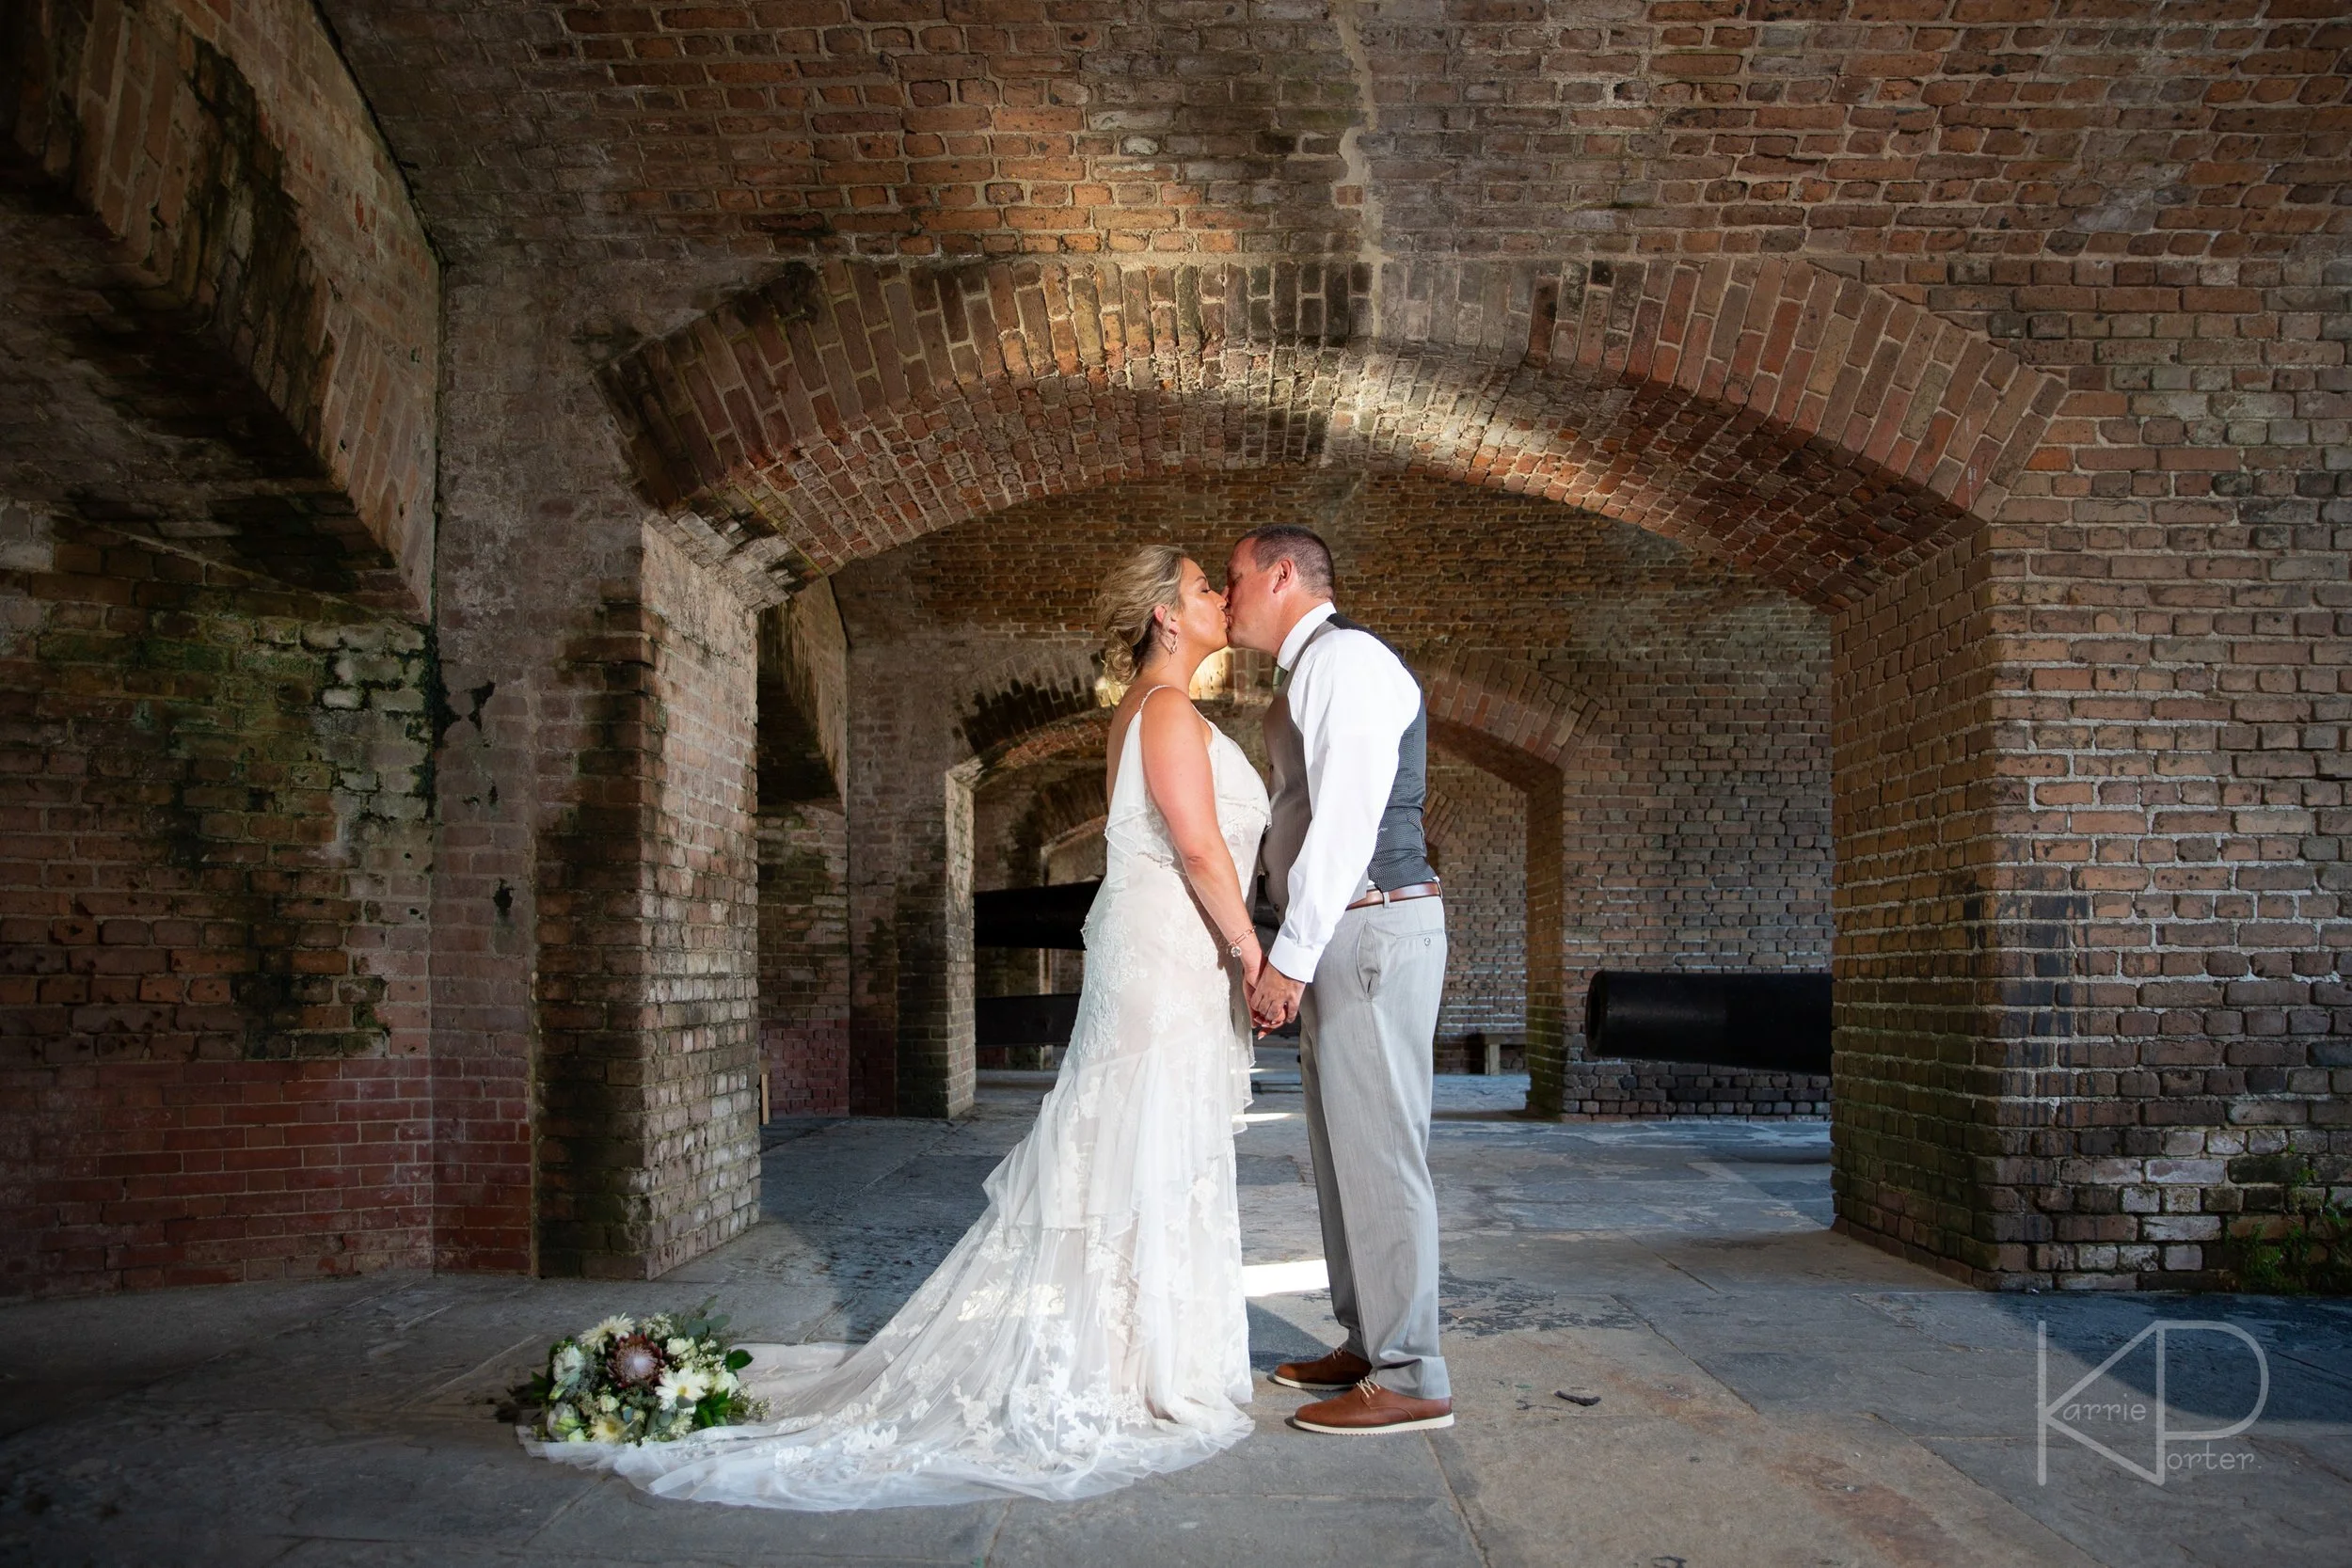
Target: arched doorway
[(1835, 445)]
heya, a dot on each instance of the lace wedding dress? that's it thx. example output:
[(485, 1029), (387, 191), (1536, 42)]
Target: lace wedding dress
[(1089, 1329)]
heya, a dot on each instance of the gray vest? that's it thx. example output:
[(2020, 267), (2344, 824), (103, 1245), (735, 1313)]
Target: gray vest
[(1400, 856)]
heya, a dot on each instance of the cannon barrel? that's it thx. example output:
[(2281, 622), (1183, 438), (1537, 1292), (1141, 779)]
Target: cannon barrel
[(1763, 1022), (1052, 917), (1024, 1020)]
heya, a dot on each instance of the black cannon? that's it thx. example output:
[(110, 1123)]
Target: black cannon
[(1763, 1022), (1044, 1019), (1033, 916)]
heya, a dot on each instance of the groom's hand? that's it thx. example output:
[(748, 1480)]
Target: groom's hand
[(1273, 1000)]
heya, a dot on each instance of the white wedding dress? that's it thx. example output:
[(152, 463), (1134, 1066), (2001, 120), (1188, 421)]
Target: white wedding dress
[(1089, 1329)]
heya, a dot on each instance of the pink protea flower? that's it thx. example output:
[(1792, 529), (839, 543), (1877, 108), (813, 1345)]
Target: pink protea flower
[(635, 1360)]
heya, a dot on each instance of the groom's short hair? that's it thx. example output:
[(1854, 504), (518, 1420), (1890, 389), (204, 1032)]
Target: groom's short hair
[(1303, 548)]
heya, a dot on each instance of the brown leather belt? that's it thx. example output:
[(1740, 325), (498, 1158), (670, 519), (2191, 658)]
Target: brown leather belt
[(1396, 894)]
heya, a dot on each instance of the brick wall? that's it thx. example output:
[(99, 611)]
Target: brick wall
[(1695, 833), (1697, 808), (2177, 596), (1647, 126), (1641, 1091), (2070, 745), (213, 905), (221, 327), (804, 855)]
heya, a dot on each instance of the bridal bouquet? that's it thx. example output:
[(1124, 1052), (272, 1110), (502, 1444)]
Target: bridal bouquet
[(649, 1380)]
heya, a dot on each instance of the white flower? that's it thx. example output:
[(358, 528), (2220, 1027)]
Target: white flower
[(569, 1361), (605, 1429), (683, 1385), (679, 1349), (610, 1330)]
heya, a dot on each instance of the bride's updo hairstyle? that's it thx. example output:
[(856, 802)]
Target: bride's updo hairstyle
[(1151, 579)]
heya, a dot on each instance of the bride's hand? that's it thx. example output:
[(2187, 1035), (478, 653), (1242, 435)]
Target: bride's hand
[(1252, 962)]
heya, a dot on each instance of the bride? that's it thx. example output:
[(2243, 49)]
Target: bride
[(1089, 1329)]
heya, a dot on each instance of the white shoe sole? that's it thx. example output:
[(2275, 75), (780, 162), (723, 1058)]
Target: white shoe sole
[(1310, 1387), (1427, 1423)]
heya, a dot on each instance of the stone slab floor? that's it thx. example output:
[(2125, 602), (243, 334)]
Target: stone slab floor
[(1768, 1392)]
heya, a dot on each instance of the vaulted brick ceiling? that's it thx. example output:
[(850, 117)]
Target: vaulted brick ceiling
[(1873, 128)]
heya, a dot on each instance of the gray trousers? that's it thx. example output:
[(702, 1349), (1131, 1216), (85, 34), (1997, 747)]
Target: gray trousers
[(1366, 1025)]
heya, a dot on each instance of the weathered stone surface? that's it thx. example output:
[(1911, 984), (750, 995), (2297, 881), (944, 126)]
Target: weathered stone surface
[(1769, 1391)]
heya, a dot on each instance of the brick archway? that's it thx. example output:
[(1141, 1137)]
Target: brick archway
[(1818, 430), (1822, 432), (204, 190), (1840, 444), (1508, 720)]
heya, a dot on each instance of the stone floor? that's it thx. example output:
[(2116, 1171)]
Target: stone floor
[(1764, 1391)]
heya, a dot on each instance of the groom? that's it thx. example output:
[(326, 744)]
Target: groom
[(1360, 962)]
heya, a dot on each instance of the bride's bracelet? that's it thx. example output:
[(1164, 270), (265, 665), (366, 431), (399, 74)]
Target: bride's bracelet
[(1233, 948)]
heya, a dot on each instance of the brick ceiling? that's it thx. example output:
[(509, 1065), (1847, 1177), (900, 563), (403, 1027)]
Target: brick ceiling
[(1874, 128)]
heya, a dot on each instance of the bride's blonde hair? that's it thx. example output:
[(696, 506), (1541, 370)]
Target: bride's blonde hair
[(1151, 579)]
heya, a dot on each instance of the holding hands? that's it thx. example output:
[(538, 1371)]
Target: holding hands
[(1273, 998)]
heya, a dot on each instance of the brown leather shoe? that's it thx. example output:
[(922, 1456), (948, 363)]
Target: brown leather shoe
[(1368, 1408), (1325, 1374)]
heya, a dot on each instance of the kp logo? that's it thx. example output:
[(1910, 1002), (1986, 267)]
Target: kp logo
[(2066, 1410)]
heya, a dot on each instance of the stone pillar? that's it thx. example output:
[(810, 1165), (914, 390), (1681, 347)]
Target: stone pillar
[(1477, 830), (804, 958), (1537, 782), (910, 889), (1547, 1022), (595, 1090), (804, 856), (1918, 950), (648, 924), (2092, 1019)]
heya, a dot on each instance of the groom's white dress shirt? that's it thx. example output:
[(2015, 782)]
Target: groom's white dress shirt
[(1352, 701)]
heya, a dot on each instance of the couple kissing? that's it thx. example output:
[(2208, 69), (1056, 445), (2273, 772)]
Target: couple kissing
[(1090, 1328)]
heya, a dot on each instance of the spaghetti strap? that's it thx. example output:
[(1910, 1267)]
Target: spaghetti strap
[(1134, 721), (1137, 718)]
